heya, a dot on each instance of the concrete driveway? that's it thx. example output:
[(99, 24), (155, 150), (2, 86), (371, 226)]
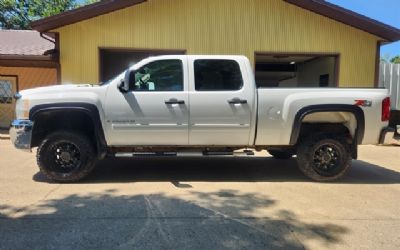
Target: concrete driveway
[(214, 203)]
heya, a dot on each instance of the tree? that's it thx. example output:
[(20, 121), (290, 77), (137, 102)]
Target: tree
[(395, 60), (17, 14)]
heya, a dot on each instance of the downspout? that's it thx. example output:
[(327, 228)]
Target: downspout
[(54, 53)]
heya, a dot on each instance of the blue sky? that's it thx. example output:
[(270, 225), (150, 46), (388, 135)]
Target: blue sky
[(386, 11)]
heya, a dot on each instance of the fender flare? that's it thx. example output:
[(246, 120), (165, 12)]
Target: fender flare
[(355, 110), (89, 109)]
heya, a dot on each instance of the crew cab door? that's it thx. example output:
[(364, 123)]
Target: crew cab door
[(221, 102), (155, 110)]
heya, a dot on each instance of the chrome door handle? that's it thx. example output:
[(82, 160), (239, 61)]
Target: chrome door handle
[(237, 101), (174, 101)]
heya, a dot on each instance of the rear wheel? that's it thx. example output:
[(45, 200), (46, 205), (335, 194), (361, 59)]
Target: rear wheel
[(324, 157), (281, 154), (66, 156)]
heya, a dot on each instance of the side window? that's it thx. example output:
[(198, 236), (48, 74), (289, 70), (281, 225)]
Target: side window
[(217, 75), (166, 75)]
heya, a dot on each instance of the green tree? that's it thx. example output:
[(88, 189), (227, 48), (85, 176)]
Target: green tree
[(395, 60), (17, 14)]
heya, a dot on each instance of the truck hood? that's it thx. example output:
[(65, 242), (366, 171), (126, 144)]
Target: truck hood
[(55, 89)]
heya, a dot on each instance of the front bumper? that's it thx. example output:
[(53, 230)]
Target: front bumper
[(21, 134)]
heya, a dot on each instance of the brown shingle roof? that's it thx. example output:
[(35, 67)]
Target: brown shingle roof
[(23, 43), (320, 7)]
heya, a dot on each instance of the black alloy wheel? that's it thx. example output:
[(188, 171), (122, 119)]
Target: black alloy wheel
[(66, 156), (324, 157)]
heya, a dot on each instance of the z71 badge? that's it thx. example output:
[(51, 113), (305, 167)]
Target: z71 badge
[(363, 103)]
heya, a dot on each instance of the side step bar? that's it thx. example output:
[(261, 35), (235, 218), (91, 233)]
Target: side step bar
[(183, 154)]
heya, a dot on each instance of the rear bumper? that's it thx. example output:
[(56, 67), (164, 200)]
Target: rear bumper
[(384, 132), (21, 134)]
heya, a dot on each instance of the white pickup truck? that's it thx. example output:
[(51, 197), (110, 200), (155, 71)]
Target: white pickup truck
[(196, 106)]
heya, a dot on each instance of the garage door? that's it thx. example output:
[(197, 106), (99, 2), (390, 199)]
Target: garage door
[(296, 70), (8, 87)]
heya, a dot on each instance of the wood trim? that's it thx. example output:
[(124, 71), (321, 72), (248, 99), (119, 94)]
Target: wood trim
[(132, 50), (337, 70), (146, 50), (26, 57), (16, 80), (377, 63), (57, 47), (315, 54), (289, 53), (28, 63)]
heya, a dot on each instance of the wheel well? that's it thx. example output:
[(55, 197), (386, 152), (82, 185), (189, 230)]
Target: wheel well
[(329, 128), (333, 122), (332, 118), (48, 122)]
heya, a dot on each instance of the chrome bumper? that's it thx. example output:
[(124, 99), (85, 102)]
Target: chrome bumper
[(21, 134)]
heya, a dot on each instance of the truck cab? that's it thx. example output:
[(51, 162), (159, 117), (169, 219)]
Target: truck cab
[(163, 101)]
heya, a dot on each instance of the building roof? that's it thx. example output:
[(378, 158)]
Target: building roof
[(24, 43), (320, 7)]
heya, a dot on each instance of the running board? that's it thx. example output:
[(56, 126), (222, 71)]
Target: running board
[(183, 154)]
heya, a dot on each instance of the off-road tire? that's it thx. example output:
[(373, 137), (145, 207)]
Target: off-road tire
[(46, 159), (306, 151), (281, 154)]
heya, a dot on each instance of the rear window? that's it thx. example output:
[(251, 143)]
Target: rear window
[(217, 75)]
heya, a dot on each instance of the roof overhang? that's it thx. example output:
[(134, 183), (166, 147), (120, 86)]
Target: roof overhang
[(320, 7), (82, 13), (349, 17)]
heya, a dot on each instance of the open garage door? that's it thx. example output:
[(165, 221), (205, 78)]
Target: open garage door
[(296, 70), (115, 61)]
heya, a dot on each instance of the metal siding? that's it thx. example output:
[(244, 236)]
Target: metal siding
[(217, 27)]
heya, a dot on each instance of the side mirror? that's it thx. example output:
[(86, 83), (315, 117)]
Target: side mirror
[(123, 86)]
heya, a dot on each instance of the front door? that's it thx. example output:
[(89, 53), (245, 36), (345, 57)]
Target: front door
[(8, 87), (221, 103), (155, 111)]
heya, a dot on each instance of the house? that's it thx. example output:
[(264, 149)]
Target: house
[(28, 59), (289, 42)]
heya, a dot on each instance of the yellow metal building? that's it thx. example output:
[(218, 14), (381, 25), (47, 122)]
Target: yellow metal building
[(286, 40)]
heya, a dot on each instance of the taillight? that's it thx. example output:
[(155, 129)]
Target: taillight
[(386, 109)]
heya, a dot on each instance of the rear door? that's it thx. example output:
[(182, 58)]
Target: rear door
[(221, 102)]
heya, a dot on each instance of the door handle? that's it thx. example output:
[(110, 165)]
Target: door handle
[(174, 101), (237, 101)]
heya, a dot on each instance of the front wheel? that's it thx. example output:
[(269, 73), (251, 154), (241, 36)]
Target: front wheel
[(66, 156), (324, 157)]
